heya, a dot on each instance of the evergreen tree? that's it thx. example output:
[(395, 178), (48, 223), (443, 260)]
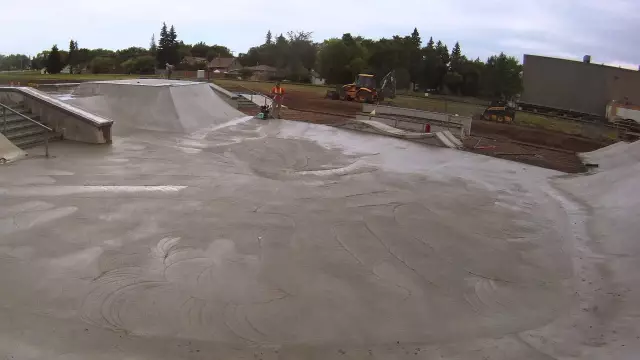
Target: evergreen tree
[(153, 48), (173, 56), (456, 58), (72, 58), (269, 39), (430, 43), (415, 38), (163, 44), (54, 61)]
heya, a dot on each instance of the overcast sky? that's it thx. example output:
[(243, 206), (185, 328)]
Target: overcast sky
[(608, 30)]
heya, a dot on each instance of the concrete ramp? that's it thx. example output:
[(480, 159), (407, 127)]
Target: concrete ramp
[(151, 104), (613, 156), (440, 138), (8, 151)]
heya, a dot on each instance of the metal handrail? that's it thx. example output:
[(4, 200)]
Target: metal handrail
[(46, 135), (253, 92)]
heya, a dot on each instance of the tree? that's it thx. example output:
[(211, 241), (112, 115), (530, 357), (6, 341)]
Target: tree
[(163, 45), (456, 58), (200, 49), (415, 38), (501, 77), (153, 48), (130, 53), (14, 62), (102, 65), (269, 39), (453, 81), (173, 55), (72, 59), (142, 65), (333, 62), (54, 61), (245, 73), (430, 43)]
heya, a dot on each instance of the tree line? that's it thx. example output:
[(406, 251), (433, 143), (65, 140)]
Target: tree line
[(136, 60), (428, 67), (431, 67)]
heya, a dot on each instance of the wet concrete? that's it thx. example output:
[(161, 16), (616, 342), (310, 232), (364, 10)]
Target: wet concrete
[(279, 240)]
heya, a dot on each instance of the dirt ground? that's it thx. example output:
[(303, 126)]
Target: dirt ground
[(540, 147)]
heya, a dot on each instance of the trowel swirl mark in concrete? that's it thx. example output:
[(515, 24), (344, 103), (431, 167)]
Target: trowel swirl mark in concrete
[(178, 275)]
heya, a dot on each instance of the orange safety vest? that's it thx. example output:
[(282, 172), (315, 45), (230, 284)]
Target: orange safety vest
[(277, 91)]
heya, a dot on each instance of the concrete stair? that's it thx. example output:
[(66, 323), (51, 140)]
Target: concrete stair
[(244, 103), (22, 132)]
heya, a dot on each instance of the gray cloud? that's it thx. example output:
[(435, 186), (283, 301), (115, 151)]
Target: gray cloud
[(607, 30)]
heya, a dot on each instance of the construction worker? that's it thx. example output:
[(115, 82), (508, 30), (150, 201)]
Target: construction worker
[(277, 93)]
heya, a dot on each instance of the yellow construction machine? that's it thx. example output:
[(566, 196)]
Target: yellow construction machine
[(364, 90)]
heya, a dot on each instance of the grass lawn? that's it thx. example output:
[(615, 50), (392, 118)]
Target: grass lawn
[(265, 86), (27, 76)]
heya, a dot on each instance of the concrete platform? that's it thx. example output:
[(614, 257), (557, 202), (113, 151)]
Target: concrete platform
[(258, 239)]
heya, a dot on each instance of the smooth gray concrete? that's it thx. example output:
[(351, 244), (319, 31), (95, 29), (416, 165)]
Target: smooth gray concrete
[(278, 240), (69, 121), (253, 239), (8, 151), (154, 104)]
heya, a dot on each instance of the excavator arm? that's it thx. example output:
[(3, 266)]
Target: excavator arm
[(388, 86)]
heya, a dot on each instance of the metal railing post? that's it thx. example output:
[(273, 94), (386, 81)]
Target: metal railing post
[(4, 115), (46, 143)]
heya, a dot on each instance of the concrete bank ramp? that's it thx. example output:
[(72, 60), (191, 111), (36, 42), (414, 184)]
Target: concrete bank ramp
[(154, 104), (613, 156), (441, 138), (8, 151)]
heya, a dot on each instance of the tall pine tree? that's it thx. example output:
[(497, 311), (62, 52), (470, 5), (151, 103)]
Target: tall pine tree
[(54, 61), (269, 38), (173, 56), (415, 38), (153, 48), (163, 43), (456, 58), (72, 58)]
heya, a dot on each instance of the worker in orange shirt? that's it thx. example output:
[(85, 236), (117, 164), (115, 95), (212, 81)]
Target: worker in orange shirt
[(277, 93)]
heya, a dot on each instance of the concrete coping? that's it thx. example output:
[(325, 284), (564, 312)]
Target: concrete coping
[(223, 91), (86, 116)]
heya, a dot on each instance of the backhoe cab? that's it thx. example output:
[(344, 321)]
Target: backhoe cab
[(364, 90)]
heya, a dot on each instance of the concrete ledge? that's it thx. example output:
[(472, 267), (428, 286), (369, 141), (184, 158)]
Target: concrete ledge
[(426, 117), (71, 122), (223, 91), (415, 125)]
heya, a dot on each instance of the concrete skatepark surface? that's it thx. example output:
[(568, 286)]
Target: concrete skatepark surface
[(284, 240), (8, 151)]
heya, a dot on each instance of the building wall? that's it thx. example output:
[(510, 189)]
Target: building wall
[(577, 86)]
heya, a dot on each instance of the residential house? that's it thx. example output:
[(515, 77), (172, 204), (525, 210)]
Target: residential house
[(263, 72), (194, 60), (315, 78), (224, 65)]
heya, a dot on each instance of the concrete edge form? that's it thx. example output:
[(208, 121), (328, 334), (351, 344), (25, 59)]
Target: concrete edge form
[(8, 151), (372, 126), (421, 115), (71, 122)]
